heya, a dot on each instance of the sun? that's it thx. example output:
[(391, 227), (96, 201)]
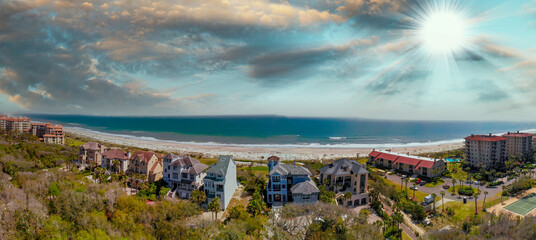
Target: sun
[(443, 32)]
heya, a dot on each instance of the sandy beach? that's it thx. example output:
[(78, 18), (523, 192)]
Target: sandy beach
[(253, 153)]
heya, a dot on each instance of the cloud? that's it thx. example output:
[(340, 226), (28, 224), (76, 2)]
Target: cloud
[(278, 64), (395, 78)]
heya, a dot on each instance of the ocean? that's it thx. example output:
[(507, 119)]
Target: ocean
[(278, 131)]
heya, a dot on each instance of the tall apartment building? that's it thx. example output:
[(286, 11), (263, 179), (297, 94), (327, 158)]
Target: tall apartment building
[(485, 151), (519, 145), (19, 124), (54, 134)]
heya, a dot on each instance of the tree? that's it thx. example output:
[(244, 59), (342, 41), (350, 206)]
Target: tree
[(198, 197), (214, 206), (475, 195), (454, 185), (237, 212), (347, 196), (484, 204), (434, 196), (53, 190), (442, 201), (503, 188), (397, 218), (256, 205), (413, 188), (406, 180)]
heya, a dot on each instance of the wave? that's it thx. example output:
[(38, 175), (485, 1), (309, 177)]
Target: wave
[(304, 145), (337, 138)]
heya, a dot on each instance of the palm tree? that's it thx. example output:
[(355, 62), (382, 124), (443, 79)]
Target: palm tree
[(434, 196), (214, 206), (475, 195), (346, 197), (397, 218), (454, 185), (401, 184), (503, 189), (442, 201), (406, 180), (484, 207), (413, 188)]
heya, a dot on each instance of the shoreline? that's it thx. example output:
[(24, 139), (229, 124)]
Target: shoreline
[(256, 153)]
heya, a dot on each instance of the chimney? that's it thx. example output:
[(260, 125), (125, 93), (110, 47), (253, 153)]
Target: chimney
[(472, 135), (128, 153), (518, 131), (490, 134)]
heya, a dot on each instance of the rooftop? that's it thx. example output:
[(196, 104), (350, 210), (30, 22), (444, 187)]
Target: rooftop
[(221, 166), (307, 187), (289, 169), (486, 138), (343, 167)]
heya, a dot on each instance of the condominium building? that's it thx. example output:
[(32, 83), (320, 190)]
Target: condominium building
[(426, 167), (18, 124), (485, 151), (146, 163), (519, 145), (289, 183), (220, 180), (54, 134), (115, 160), (91, 153), (344, 176), (183, 174)]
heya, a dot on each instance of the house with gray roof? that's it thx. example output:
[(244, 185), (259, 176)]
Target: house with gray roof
[(220, 180), (289, 183), (344, 176), (183, 174)]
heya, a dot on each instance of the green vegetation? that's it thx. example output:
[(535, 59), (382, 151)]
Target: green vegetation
[(521, 184)]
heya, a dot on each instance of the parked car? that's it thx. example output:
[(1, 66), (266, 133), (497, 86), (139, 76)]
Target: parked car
[(404, 176), (414, 188), (422, 183), (446, 186), (418, 181)]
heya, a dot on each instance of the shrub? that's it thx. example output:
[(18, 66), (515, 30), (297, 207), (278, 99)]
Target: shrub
[(465, 190)]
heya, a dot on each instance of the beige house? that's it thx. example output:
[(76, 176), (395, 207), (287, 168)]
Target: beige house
[(91, 152), (344, 176), (115, 160), (147, 163)]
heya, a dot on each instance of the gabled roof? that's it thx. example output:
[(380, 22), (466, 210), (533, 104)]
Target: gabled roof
[(289, 169), (425, 164), (343, 167), (156, 163), (375, 153), (197, 168), (273, 158), (171, 156), (115, 154), (221, 166), (388, 156), (143, 155), (307, 187), (408, 160), (182, 160), (91, 146)]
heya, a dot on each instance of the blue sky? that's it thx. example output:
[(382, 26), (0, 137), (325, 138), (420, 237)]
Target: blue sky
[(338, 58)]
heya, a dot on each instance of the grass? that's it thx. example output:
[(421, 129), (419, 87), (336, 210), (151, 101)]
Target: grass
[(460, 173), (73, 142), (463, 211), (257, 169), (434, 184), (208, 161), (405, 236), (418, 194)]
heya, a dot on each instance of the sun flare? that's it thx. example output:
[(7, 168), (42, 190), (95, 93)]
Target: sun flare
[(444, 32)]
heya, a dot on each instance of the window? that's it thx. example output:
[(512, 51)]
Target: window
[(219, 188), (184, 175), (174, 167), (277, 187), (269, 197), (276, 178), (284, 186), (175, 175)]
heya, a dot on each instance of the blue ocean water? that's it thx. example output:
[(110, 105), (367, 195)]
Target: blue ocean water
[(286, 131)]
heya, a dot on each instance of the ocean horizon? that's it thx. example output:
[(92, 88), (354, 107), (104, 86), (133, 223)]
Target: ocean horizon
[(281, 131)]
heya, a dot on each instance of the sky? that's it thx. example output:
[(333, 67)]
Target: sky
[(384, 59)]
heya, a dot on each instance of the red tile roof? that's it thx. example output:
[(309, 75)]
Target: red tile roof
[(426, 164), (273, 158), (388, 156), (517, 135), (143, 155), (115, 154), (374, 154), (408, 160), (486, 138)]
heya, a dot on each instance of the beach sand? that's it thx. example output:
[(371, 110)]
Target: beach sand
[(253, 153)]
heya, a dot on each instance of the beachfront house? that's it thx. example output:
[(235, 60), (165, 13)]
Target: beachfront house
[(220, 180), (423, 166), (146, 163), (183, 174), (91, 153), (289, 183), (115, 160), (344, 176)]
